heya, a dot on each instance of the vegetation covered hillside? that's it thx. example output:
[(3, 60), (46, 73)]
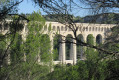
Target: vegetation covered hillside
[(104, 18)]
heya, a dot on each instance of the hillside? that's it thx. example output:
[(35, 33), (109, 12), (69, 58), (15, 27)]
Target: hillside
[(105, 18)]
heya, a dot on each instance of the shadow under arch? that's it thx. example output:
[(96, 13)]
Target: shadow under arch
[(99, 39), (56, 46), (69, 47), (80, 50)]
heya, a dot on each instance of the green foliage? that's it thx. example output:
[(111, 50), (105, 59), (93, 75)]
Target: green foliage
[(80, 52), (61, 17), (16, 49), (55, 54), (56, 47), (90, 39), (111, 18), (80, 49), (64, 73), (2, 47), (5, 7), (49, 28), (113, 70), (25, 55), (16, 25), (58, 16), (57, 74), (90, 51), (93, 68), (2, 42), (25, 71), (45, 49), (78, 19), (111, 43), (69, 41), (36, 42)]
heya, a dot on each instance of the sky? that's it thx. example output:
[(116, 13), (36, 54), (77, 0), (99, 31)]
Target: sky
[(27, 6)]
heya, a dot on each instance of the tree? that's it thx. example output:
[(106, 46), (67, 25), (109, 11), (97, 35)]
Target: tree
[(8, 7), (8, 10), (25, 55)]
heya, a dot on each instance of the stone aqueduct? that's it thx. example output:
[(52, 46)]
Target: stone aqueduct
[(84, 29)]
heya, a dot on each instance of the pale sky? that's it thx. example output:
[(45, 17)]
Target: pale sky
[(28, 7)]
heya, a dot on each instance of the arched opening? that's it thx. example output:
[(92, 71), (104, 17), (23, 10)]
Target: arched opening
[(80, 50), (105, 29), (53, 28), (86, 28), (62, 28), (98, 39), (58, 28), (56, 46), (102, 29), (89, 28), (93, 29), (65, 28), (108, 29), (69, 47), (96, 29), (90, 39)]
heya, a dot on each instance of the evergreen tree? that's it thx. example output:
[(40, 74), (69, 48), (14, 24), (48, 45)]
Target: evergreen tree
[(30, 59)]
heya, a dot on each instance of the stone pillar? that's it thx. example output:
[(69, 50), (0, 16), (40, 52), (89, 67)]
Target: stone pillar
[(24, 32), (85, 40), (8, 58), (51, 43), (103, 38), (74, 52), (85, 37), (62, 52), (95, 40)]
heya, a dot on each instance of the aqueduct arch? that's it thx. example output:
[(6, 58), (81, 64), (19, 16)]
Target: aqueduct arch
[(90, 39), (69, 46), (99, 39), (80, 50)]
